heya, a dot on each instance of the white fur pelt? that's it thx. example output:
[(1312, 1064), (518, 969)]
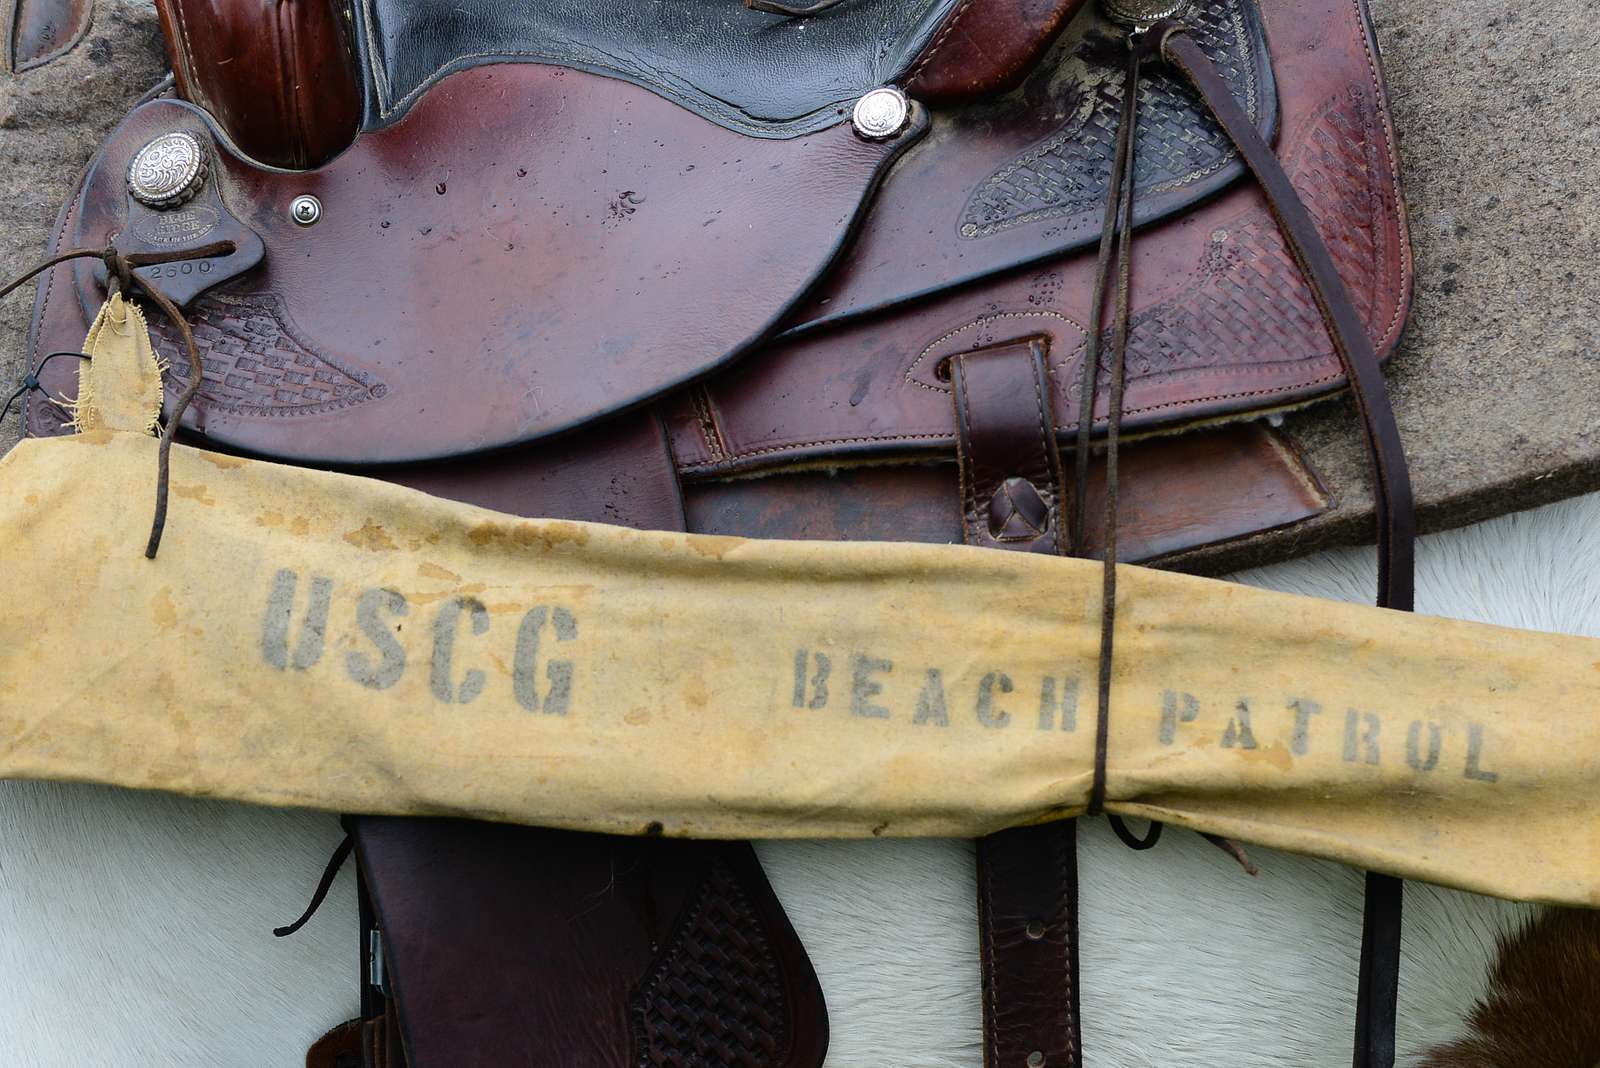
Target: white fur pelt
[(135, 929)]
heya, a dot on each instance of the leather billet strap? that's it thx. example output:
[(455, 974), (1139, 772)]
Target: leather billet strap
[(1013, 497), (1378, 991)]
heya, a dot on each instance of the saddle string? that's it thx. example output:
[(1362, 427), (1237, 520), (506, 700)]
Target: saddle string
[(341, 854), (120, 276), (1116, 242)]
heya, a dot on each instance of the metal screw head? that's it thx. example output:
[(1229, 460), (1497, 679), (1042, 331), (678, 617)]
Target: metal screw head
[(305, 209), (1138, 13), (168, 170), (881, 114)]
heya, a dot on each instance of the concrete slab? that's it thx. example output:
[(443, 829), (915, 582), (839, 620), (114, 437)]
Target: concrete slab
[(1497, 385)]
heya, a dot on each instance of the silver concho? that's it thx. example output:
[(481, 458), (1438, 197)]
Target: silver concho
[(1143, 12), (881, 114), (168, 171)]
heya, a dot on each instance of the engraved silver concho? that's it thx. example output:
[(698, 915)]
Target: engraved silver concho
[(1138, 13), (168, 171), (881, 114)]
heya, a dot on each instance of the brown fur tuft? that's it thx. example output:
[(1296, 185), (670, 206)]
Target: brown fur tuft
[(1542, 1009)]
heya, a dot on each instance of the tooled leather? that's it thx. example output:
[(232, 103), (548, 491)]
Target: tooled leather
[(715, 994), (1234, 329), (1007, 455), (1179, 144), (1020, 180), (255, 363), (1247, 296)]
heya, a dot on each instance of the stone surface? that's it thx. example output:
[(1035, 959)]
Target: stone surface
[(1496, 385)]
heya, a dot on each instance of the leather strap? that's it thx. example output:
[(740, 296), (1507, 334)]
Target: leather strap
[(1012, 497), (1011, 483), (507, 945), (1397, 526), (1378, 989)]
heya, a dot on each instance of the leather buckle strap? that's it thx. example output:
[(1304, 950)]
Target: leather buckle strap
[(1011, 480), (1012, 497)]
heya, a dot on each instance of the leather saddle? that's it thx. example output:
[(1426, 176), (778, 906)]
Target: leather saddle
[(824, 272)]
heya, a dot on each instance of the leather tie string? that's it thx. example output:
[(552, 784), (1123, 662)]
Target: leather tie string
[(1113, 282), (1169, 42), (121, 275)]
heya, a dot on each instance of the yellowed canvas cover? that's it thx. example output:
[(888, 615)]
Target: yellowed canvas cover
[(317, 639)]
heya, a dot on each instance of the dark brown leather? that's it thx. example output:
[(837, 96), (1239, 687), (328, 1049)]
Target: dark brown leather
[(279, 76), (341, 1047), (1013, 496), (1378, 987), (486, 964), (504, 945), (205, 218), (1028, 941), (1222, 321), (1199, 488), (1012, 490), (38, 31), (986, 47)]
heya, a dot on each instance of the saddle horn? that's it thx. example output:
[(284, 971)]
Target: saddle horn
[(279, 76)]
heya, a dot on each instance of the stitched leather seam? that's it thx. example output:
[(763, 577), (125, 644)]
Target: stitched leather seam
[(870, 439), (1069, 948), (940, 41), (982, 320), (1379, 98), (701, 400), (1046, 447), (188, 46), (986, 898), (967, 466)]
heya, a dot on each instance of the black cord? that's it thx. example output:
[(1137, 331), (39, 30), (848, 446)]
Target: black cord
[(30, 381)]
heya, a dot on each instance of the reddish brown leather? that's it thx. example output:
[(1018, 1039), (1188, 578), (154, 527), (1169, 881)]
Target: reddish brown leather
[(37, 31), (986, 47), (279, 75), (1012, 491), (444, 305), (505, 945), (1342, 322), (1222, 319), (1195, 489)]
